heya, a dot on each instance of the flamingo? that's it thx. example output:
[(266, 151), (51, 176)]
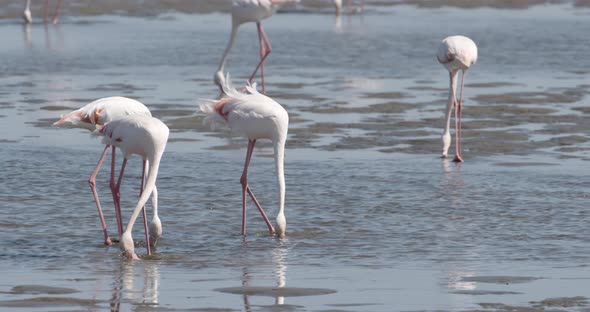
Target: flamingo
[(245, 11), (29, 19), (455, 53), (98, 113), (145, 136), (338, 6), (255, 116)]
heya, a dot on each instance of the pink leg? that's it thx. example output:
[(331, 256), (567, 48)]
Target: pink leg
[(46, 18), (264, 52), (244, 182), (115, 194), (246, 188), (459, 106), (145, 225), (118, 190), (56, 15), (271, 230), (92, 182)]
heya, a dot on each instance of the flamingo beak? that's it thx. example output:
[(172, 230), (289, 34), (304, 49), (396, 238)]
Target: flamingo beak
[(60, 121)]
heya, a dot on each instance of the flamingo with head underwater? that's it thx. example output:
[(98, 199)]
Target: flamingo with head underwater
[(255, 116), (98, 113), (245, 11), (455, 53), (29, 19), (145, 136)]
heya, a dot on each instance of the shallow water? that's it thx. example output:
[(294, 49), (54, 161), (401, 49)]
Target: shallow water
[(376, 222)]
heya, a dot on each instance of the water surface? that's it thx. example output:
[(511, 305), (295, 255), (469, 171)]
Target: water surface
[(376, 221)]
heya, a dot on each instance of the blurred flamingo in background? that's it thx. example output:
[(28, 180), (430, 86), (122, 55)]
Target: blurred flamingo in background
[(29, 19), (245, 11), (255, 116), (455, 53)]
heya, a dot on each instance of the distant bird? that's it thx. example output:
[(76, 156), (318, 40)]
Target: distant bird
[(245, 11), (455, 53), (145, 136), (99, 113), (255, 116), (338, 6), (29, 19)]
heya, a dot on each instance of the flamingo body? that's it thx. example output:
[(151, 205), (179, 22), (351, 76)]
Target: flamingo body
[(27, 12), (246, 11), (455, 53), (249, 11), (145, 136), (255, 116), (92, 116), (102, 111)]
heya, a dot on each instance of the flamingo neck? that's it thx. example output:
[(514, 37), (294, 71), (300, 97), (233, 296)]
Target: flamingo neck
[(279, 150), (232, 38), (150, 185), (452, 96)]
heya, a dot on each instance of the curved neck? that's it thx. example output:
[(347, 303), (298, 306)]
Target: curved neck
[(28, 5), (279, 149), (232, 38), (150, 185)]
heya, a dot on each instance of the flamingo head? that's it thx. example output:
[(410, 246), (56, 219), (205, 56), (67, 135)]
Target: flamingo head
[(127, 246), (338, 5), (155, 230), (281, 226), (27, 16)]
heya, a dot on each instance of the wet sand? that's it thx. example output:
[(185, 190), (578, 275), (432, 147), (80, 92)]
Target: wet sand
[(376, 221)]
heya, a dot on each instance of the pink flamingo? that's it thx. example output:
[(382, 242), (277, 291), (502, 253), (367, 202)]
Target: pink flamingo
[(145, 136), (255, 116), (455, 53), (245, 11), (29, 19), (99, 113)]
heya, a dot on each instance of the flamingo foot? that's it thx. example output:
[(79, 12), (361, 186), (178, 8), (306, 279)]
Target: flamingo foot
[(443, 156), (458, 159), (108, 242)]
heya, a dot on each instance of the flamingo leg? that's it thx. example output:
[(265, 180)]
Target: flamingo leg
[(244, 182), (116, 198), (458, 108), (246, 189), (56, 15), (461, 111), (118, 187), (145, 224), (92, 182), (457, 129), (265, 50), (271, 230), (46, 11)]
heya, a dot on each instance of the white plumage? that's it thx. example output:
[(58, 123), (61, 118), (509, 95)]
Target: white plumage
[(255, 116), (455, 53), (145, 136), (90, 117)]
